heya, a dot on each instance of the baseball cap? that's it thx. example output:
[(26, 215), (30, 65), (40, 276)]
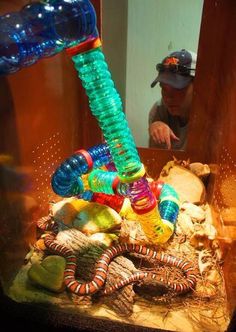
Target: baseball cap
[(177, 69)]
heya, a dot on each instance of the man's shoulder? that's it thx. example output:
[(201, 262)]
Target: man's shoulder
[(161, 107), (158, 105), (158, 112)]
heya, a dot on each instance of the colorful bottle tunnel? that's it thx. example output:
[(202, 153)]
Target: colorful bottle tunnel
[(108, 182), (105, 186), (66, 181), (42, 29)]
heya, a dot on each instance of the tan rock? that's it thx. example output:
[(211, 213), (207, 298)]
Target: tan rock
[(189, 187)]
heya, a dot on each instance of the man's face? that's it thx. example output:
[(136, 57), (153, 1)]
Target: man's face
[(177, 101)]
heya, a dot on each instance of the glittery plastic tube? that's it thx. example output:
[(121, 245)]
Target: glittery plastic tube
[(107, 182), (113, 201), (100, 155), (102, 181), (106, 106), (144, 203), (66, 180), (143, 200), (169, 209), (156, 229), (141, 197), (169, 204)]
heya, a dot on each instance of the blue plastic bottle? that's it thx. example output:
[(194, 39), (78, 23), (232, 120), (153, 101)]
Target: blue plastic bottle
[(43, 29), (66, 180)]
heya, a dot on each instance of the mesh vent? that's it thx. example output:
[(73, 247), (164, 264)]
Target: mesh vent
[(45, 158), (224, 198)]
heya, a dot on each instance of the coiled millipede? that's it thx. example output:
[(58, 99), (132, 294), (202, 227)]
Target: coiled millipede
[(98, 281), (48, 224)]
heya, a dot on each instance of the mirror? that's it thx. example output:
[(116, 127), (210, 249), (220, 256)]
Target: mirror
[(137, 35)]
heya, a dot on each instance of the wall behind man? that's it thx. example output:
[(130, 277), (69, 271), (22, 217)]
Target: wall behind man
[(154, 29), (114, 39)]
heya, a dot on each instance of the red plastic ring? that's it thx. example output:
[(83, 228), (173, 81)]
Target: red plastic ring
[(115, 183), (87, 157), (84, 46)]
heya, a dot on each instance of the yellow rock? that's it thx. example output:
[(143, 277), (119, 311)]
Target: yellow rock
[(96, 218), (67, 209)]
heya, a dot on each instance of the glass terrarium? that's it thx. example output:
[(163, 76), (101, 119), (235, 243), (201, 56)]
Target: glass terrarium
[(96, 232)]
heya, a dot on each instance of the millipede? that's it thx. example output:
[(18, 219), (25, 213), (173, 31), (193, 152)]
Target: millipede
[(47, 224), (101, 269)]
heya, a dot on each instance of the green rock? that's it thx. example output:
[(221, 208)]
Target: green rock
[(49, 273)]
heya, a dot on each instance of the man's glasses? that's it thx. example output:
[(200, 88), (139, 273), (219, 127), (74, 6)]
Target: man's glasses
[(174, 68)]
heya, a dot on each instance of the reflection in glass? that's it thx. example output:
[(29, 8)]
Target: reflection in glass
[(136, 37), (169, 118)]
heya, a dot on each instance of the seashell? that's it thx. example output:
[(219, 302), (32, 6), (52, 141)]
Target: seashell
[(210, 231), (199, 240), (205, 289), (194, 211), (189, 187), (204, 261), (214, 277), (185, 224)]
